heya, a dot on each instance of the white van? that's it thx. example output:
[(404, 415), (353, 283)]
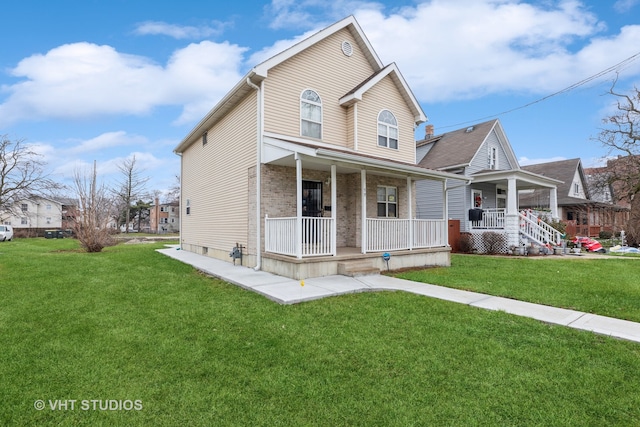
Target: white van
[(6, 233)]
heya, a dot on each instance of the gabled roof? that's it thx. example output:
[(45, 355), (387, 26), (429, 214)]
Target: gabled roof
[(563, 170), (458, 148), (391, 70), (258, 73)]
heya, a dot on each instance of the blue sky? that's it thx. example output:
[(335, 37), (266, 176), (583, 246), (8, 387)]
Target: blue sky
[(104, 80)]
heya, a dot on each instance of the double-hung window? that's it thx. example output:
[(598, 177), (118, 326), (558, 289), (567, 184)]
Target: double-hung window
[(311, 114), (387, 202), (387, 130)]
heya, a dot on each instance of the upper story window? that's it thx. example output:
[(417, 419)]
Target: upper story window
[(387, 130), (493, 158), (24, 207), (310, 114), (576, 189)]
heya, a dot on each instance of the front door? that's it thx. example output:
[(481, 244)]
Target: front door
[(311, 207), (311, 198)]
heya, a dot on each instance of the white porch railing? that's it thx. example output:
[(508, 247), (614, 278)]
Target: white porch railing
[(398, 234), (280, 236), (492, 218), (382, 235), (536, 229)]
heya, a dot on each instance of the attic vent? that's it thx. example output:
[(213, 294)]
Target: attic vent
[(470, 129), (347, 49)]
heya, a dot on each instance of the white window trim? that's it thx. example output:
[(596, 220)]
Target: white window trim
[(311, 121), (493, 157), (397, 128), (386, 202), (475, 192)]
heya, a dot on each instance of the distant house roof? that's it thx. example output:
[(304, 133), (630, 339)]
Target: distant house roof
[(456, 148), (563, 170)]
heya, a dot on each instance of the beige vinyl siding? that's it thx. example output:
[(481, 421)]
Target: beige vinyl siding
[(215, 180), (325, 69), (385, 95)]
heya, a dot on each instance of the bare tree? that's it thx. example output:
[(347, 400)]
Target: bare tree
[(91, 225), (22, 173), (622, 137), (131, 187), (173, 195)]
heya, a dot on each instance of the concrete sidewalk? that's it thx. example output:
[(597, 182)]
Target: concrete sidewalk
[(289, 291)]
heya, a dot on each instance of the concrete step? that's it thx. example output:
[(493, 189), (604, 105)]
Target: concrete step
[(357, 268)]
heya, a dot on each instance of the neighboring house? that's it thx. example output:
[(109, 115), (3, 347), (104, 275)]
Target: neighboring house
[(583, 214), (308, 164), (33, 215), (165, 217), (488, 201)]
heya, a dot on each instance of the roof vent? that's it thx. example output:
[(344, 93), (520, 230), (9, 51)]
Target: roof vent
[(347, 49), (470, 129)]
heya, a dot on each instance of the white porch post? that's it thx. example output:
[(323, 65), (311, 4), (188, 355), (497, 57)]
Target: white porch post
[(363, 211), (410, 211), (553, 202), (334, 210), (511, 218), (445, 210), (298, 206)]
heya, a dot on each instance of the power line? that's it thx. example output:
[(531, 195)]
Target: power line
[(617, 66)]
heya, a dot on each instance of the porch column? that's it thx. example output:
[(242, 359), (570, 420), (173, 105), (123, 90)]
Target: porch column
[(334, 210), (512, 220), (410, 211), (512, 197), (553, 202), (363, 211), (298, 206)]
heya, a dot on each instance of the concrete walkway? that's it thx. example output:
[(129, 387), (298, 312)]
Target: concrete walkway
[(289, 291)]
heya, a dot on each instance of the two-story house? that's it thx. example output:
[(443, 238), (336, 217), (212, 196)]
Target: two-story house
[(309, 165), (33, 215), (164, 217)]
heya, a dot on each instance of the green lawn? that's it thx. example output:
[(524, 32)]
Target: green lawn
[(609, 286), (131, 324)]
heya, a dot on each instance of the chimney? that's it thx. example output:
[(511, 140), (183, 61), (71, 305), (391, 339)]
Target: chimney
[(428, 131)]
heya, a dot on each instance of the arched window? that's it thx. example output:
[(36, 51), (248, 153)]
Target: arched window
[(310, 114), (387, 130)]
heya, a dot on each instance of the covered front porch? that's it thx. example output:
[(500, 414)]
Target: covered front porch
[(337, 208), (502, 212)]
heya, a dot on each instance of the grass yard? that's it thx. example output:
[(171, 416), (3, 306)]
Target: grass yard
[(131, 324), (609, 286)]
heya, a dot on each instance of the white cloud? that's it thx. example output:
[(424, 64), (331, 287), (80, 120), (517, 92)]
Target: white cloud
[(179, 31), (83, 80), (108, 140), (624, 6)]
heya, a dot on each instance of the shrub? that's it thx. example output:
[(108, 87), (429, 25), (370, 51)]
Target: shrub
[(605, 234), (493, 242), (466, 243)]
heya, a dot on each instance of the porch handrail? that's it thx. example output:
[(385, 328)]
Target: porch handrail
[(492, 218), (392, 234), (538, 230), (280, 236)]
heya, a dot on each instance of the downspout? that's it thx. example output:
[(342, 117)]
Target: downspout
[(258, 177), (181, 215)]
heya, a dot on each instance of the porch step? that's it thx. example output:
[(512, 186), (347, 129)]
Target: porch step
[(356, 268)]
